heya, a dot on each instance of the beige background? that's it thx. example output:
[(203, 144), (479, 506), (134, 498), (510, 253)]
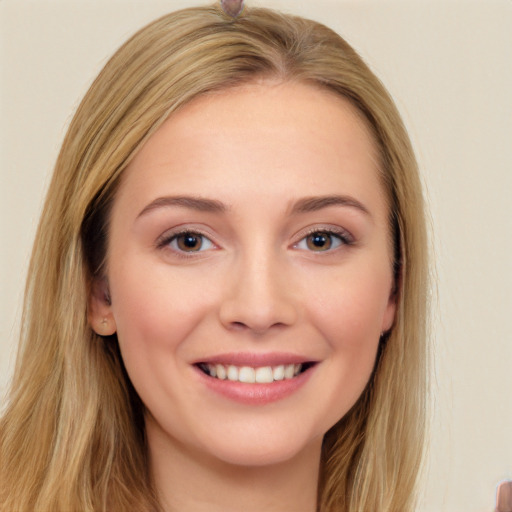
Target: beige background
[(448, 64)]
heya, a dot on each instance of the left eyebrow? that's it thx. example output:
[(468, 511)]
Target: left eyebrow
[(191, 202), (315, 203)]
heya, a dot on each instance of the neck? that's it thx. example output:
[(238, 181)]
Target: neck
[(192, 481)]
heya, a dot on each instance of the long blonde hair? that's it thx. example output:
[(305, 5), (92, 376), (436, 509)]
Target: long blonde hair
[(72, 437)]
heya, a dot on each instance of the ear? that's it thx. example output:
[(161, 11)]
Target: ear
[(388, 319), (100, 315), (390, 312)]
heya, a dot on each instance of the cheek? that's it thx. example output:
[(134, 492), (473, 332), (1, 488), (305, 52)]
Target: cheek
[(350, 308), (156, 312), (154, 309), (348, 312)]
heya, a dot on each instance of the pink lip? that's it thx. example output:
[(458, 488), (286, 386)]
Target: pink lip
[(256, 360), (255, 394)]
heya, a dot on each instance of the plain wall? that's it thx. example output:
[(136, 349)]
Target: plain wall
[(447, 64)]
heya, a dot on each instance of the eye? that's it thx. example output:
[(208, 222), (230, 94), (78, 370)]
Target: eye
[(321, 241), (189, 241)]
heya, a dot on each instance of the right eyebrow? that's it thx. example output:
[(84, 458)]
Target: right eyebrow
[(191, 202), (316, 203)]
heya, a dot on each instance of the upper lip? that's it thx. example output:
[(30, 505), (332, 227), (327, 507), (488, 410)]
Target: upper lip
[(256, 360)]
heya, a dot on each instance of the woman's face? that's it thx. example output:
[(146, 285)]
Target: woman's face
[(249, 268)]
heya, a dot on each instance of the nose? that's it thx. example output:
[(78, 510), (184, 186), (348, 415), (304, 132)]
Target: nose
[(258, 296)]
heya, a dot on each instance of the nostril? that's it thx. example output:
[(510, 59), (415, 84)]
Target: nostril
[(256, 310), (254, 327), (242, 326)]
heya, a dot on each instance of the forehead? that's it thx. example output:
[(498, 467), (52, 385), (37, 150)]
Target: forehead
[(262, 137), (273, 107)]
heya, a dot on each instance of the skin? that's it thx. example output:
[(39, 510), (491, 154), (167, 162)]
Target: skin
[(255, 286)]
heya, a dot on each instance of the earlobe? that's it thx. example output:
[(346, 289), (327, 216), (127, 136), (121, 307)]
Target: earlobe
[(100, 315)]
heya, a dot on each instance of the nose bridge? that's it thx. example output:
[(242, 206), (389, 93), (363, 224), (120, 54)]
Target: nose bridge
[(259, 293)]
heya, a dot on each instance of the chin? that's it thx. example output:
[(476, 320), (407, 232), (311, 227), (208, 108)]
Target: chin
[(257, 449), (257, 456)]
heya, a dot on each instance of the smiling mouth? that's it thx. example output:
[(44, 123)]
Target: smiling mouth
[(252, 375)]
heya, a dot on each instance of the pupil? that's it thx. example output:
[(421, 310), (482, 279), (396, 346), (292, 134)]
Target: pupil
[(319, 241), (190, 242)]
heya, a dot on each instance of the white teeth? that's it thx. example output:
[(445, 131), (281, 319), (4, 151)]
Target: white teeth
[(221, 371), (279, 372), (289, 371), (249, 375), (232, 372), (264, 375)]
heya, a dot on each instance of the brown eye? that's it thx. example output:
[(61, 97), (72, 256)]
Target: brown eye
[(324, 241), (190, 242), (319, 241)]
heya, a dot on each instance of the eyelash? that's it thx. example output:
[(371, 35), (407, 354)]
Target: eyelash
[(167, 240), (343, 237)]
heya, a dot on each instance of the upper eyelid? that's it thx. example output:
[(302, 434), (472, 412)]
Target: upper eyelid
[(332, 230), (171, 234)]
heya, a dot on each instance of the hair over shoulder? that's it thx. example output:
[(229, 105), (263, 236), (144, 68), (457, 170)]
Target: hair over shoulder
[(72, 436)]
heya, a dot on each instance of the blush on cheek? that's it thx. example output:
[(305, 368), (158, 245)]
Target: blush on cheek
[(352, 321)]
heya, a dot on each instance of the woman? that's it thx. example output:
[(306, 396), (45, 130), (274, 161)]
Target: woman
[(227, 297)]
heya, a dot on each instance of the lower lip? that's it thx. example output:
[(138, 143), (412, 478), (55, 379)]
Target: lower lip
[(256, 394)]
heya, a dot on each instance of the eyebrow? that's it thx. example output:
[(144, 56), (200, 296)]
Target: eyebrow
[(191, 202), (313, 204), (304, 205)]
